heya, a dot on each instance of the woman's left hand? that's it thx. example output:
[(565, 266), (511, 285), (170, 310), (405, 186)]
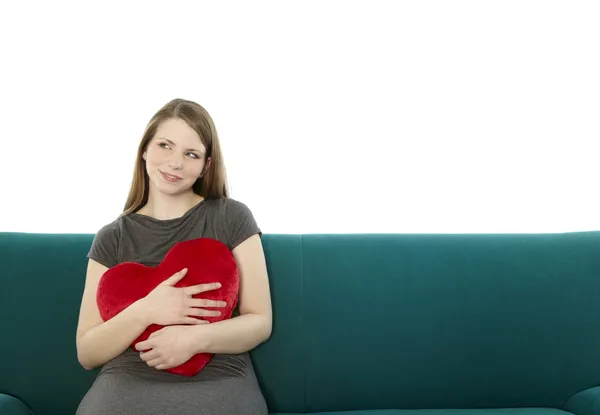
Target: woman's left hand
[(168, 347)]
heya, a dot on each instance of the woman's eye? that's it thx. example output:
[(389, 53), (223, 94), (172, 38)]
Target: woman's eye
[(163, 145), (193, 155)]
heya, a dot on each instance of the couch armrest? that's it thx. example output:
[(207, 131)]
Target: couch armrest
[(586, 402), (9, 405)]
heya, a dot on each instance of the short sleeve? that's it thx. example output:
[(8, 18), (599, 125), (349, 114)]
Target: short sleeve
[(105, 245), (240, 223)]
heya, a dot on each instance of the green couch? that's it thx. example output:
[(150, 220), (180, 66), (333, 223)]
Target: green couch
[(363, 324)]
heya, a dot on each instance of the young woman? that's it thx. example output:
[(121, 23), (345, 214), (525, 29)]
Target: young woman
[(179, 192)]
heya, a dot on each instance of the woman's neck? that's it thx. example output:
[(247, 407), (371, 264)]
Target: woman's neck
[(164, 207)]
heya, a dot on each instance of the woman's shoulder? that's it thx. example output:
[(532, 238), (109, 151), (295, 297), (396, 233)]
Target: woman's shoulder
[(236, 218), (111, 232), (229, 205), (109, 229), (105, 244)]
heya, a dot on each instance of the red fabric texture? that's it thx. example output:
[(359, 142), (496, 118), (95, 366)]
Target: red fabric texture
[(207, 261)]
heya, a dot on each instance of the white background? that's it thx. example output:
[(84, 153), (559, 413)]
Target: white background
[(371, 116)]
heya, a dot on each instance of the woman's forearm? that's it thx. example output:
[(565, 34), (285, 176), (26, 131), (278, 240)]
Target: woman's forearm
[(237, 335), (111, 338)]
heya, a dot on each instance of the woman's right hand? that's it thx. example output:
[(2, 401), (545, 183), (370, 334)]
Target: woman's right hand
[(167, 304)]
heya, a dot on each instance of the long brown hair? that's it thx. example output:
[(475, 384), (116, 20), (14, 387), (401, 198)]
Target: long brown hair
[(212, 184)]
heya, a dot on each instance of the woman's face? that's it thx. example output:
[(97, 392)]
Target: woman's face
[(174, 157)]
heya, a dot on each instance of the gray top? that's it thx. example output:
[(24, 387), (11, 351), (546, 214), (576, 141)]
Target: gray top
[(146, 240), (126, 384)]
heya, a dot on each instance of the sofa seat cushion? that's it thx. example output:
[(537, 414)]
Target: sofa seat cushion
[(508, 411), (10, 405)]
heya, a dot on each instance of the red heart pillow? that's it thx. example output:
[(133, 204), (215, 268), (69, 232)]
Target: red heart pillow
[(207, 261)]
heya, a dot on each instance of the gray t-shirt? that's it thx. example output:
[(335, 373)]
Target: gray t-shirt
[(143, 239), (126, 384)]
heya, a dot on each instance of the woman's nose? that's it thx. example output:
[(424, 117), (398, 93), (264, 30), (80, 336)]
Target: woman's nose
[(176, 163)]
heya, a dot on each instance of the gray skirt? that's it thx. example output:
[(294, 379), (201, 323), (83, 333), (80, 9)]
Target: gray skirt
[(127, 385)]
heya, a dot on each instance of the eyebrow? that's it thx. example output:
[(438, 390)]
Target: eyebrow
[(173, 144)]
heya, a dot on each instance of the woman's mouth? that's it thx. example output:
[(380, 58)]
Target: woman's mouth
[(169, 177)]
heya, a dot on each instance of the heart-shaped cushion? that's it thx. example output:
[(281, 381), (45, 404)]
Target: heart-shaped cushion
[(207, 261)]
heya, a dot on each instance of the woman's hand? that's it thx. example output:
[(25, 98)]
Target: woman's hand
[(168, 347), (168, 305)]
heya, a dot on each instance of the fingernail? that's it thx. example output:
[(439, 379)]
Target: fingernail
[(218, 285)]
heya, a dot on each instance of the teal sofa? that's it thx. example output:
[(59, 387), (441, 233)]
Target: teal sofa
[(363, 324)]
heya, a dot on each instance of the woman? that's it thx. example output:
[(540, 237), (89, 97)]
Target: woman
[(178, 193)]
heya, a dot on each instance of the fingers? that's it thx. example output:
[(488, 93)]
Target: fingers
[(200, 312), (145, 345), (152, 354), (201, 288), (199, 302), (154, 362), (156, 333), (175, 278), (159, 363)]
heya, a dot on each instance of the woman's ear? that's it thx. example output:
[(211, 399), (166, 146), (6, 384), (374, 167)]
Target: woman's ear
[(208, 160)]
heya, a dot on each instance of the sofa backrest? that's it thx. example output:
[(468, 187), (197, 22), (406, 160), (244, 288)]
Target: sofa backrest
[(449, 321), (360, 321)]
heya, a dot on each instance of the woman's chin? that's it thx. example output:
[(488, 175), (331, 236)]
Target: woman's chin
[(172, 189)]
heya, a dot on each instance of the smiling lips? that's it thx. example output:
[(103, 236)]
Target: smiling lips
[(169, 177)]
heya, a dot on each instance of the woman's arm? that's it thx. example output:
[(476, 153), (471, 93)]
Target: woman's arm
[(99, 341), (253, 326)]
